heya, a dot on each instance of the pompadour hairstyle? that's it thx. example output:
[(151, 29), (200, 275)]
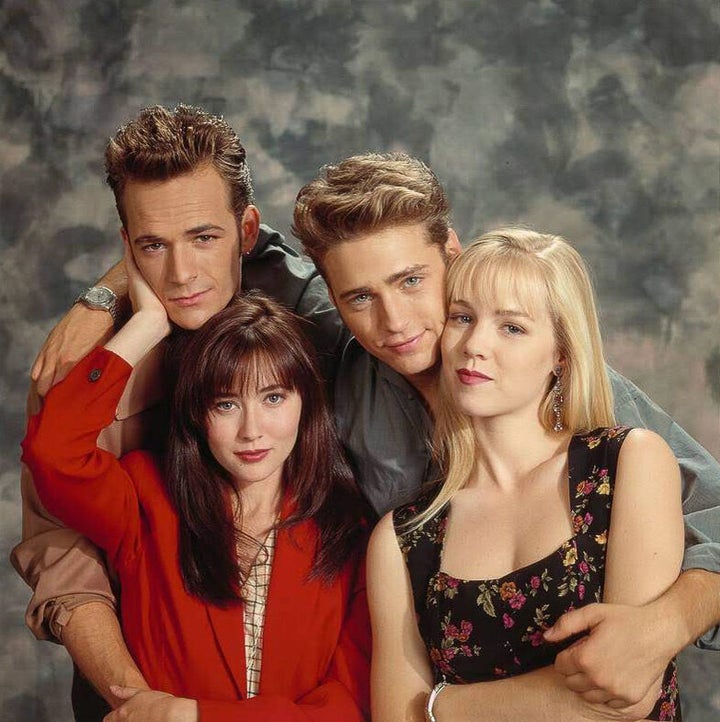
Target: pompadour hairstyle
[(366, 193), (160, 144)]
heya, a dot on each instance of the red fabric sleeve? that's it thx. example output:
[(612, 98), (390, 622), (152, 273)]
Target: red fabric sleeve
[(83, 485)]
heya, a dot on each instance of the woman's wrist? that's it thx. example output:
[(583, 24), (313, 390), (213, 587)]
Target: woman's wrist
[(144, 331), (431, 705)]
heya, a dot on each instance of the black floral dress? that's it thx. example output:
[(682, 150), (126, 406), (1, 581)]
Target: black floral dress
[(487, 629)]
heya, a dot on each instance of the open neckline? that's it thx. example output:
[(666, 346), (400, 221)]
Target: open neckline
[(445, 514)]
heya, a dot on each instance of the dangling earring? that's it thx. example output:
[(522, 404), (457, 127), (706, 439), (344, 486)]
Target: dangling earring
[(557, 401)]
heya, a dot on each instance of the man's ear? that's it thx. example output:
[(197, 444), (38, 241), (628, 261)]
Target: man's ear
[(452, 245), (249, 229)]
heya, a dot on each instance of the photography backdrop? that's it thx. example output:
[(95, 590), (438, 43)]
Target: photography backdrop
[(596, 119)]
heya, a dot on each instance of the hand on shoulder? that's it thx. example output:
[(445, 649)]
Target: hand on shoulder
[(75, 335)]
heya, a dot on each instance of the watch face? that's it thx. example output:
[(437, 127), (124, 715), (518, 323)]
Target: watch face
[(99, 296)]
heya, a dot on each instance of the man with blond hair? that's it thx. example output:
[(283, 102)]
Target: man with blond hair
[(377, 227)]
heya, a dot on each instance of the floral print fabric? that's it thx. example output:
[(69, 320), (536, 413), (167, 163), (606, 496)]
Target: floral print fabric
[(480, 630)]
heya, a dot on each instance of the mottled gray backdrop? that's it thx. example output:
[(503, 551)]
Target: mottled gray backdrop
[(593, 118)]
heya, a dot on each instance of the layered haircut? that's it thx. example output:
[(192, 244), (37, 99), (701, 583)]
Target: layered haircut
[(367, 193), (254, 339), (516, 267), (160, 144)]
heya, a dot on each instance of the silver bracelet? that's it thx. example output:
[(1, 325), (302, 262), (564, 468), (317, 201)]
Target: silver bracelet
[(439, 687)]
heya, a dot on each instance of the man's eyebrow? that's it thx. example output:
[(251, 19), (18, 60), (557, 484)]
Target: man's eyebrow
[(392, 278), (196, 231), (345, 295), (202, 229), (147, 239), (408, 271)]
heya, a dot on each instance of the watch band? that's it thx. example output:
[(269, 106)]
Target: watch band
[(101, 298), (432, 697)]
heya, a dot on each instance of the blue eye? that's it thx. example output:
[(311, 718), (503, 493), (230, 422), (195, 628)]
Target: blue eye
[(462, 319), (275, 398), (360, 299), (151, 247), (413, 281), (513, 330), (224, 405)]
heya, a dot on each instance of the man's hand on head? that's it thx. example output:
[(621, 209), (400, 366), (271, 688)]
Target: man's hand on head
[(77, 333)]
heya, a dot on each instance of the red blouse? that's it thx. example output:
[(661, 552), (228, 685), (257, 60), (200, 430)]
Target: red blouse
[(316, 639)]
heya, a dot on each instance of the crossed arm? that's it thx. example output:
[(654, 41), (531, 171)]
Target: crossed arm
[(644, 556), (401, 677)]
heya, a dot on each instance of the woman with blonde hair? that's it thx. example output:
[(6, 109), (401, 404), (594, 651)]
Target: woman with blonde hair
[(464, 581)]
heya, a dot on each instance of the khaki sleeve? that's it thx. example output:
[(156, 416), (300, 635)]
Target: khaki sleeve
[(63, 568)]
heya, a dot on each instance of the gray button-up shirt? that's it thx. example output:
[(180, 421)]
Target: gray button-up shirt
[(386, 429)]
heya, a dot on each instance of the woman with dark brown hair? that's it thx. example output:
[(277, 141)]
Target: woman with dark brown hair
[(239, 554)]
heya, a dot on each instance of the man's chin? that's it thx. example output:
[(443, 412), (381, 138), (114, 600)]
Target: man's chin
[(190, 319), (410, 366)]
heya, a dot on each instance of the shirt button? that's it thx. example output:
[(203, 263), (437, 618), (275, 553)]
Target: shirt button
[(94, 375)]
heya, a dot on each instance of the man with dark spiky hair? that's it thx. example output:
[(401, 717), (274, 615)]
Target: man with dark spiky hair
[(184, 196)]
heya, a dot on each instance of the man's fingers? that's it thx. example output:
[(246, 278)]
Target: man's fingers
[(578, 683), (596, 696), (61, 371), (51, 376), (44, 382), (567, 662), (37, 367), (574, 622)]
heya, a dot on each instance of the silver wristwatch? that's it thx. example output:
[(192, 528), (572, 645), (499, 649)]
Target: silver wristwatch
[(101, 298)]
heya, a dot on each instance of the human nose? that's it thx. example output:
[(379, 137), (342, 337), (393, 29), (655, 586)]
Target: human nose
[(476, 341), (250, 427), (182, 266), (391, 315)]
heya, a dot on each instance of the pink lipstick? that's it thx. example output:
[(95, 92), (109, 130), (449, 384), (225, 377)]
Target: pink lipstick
[(252, 456), (472, 378)]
